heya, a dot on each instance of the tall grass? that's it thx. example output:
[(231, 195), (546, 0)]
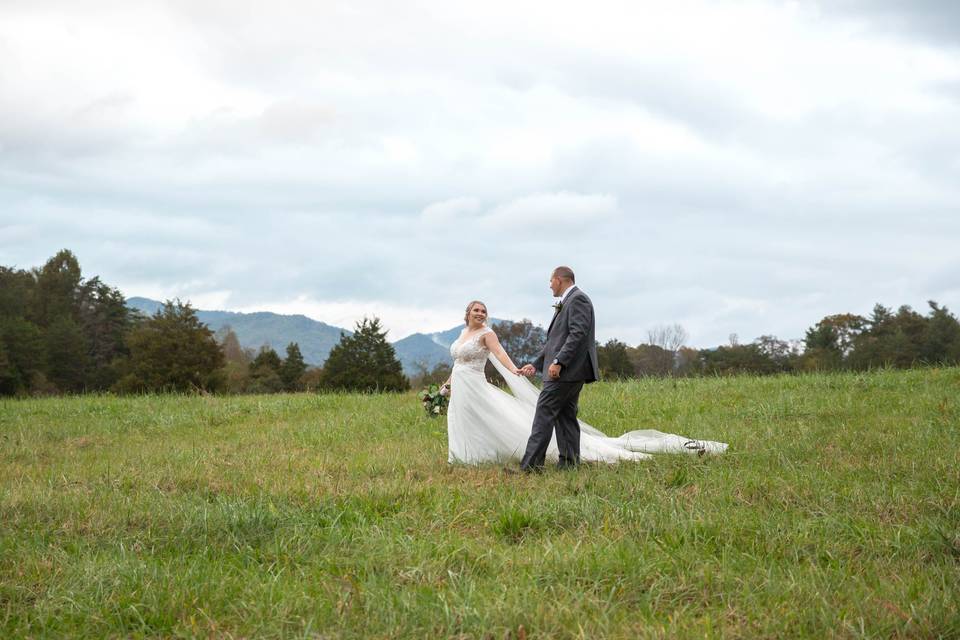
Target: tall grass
[(835, 513)]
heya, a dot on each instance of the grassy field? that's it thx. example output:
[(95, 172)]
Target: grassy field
[(836, 513)]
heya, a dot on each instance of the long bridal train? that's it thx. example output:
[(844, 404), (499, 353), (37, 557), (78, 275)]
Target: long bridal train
[(487, 424)]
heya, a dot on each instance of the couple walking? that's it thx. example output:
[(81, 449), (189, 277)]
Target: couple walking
[(486, 424)]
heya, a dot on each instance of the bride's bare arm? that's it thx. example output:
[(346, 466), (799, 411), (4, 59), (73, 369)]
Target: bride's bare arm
[(492, 342)]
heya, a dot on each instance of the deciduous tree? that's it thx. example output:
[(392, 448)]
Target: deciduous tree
[(58, 283), (614, 360)]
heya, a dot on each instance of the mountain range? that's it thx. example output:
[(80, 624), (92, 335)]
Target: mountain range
[(315, 338)]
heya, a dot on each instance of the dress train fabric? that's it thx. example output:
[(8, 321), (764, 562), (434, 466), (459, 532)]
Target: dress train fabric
[(487, 424)]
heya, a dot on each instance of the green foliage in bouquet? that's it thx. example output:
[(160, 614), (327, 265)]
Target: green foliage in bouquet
[(433, 403)]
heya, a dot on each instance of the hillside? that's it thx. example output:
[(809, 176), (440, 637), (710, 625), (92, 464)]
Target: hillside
[(428, 348), (254, 330), (315, 338)]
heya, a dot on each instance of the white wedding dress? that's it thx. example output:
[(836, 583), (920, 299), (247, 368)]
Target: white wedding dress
[(487, 424)]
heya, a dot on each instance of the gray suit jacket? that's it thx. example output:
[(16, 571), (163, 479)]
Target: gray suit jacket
[(571, 340)]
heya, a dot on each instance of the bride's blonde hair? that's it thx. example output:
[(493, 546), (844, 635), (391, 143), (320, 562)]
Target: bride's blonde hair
[(466, 316)]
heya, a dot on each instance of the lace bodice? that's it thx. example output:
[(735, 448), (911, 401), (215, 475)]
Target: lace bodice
[(470, 352)]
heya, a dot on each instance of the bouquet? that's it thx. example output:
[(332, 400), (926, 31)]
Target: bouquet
[(434, 399)]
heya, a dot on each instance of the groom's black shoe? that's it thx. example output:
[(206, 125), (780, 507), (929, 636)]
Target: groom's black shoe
[(525, 471), (520, 471)]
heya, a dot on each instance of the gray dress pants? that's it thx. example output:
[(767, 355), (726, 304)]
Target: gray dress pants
[(556, 410)]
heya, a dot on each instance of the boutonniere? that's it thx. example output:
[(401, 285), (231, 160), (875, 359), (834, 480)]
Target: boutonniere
[(557, 306)]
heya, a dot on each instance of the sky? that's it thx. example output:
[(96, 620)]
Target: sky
[(732, 167)]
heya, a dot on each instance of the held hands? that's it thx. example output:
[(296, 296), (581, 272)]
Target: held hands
[(527, 370)]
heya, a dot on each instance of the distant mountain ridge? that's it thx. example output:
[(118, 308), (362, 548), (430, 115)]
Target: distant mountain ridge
[(315, 338), (254, 330), (430, 349)]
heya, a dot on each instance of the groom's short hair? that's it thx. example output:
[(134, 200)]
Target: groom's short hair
[(565, 273)]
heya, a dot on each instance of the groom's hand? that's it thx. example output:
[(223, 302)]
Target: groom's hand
[(554, 371), (527, 370)]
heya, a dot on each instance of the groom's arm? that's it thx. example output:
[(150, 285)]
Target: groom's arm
[(581, 316), (538, 361)]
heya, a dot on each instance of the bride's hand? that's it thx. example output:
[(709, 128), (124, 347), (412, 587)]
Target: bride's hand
[(515, 371)]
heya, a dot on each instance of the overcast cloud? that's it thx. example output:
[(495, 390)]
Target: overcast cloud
[(735, 167)]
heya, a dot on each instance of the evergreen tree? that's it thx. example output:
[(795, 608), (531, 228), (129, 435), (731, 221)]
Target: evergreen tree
[(822, 350), (265, 372), (293, 368), (25, 353), (9, 381), (267, 358), (899, 350), (941, 340), (736, 359), (822, 336), (911, 322), (879, 321), (66, 354), (172, 351), (104, 320), (18, 290), (870, 347), (895, 340), (364, 361)]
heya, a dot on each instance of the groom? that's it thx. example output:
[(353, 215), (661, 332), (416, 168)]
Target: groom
[(571, 356)]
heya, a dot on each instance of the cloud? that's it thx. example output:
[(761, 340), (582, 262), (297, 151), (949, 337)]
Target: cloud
[(564, 209), (451, 210), (735, 166), (934, 21)]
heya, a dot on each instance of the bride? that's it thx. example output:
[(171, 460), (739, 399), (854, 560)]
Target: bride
[(487, 424)]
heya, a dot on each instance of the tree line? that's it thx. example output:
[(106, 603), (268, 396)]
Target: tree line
[(901, 339), (61, 333), (364, 361)]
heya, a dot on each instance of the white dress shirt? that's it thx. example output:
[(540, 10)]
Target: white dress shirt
[(567, 292)]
